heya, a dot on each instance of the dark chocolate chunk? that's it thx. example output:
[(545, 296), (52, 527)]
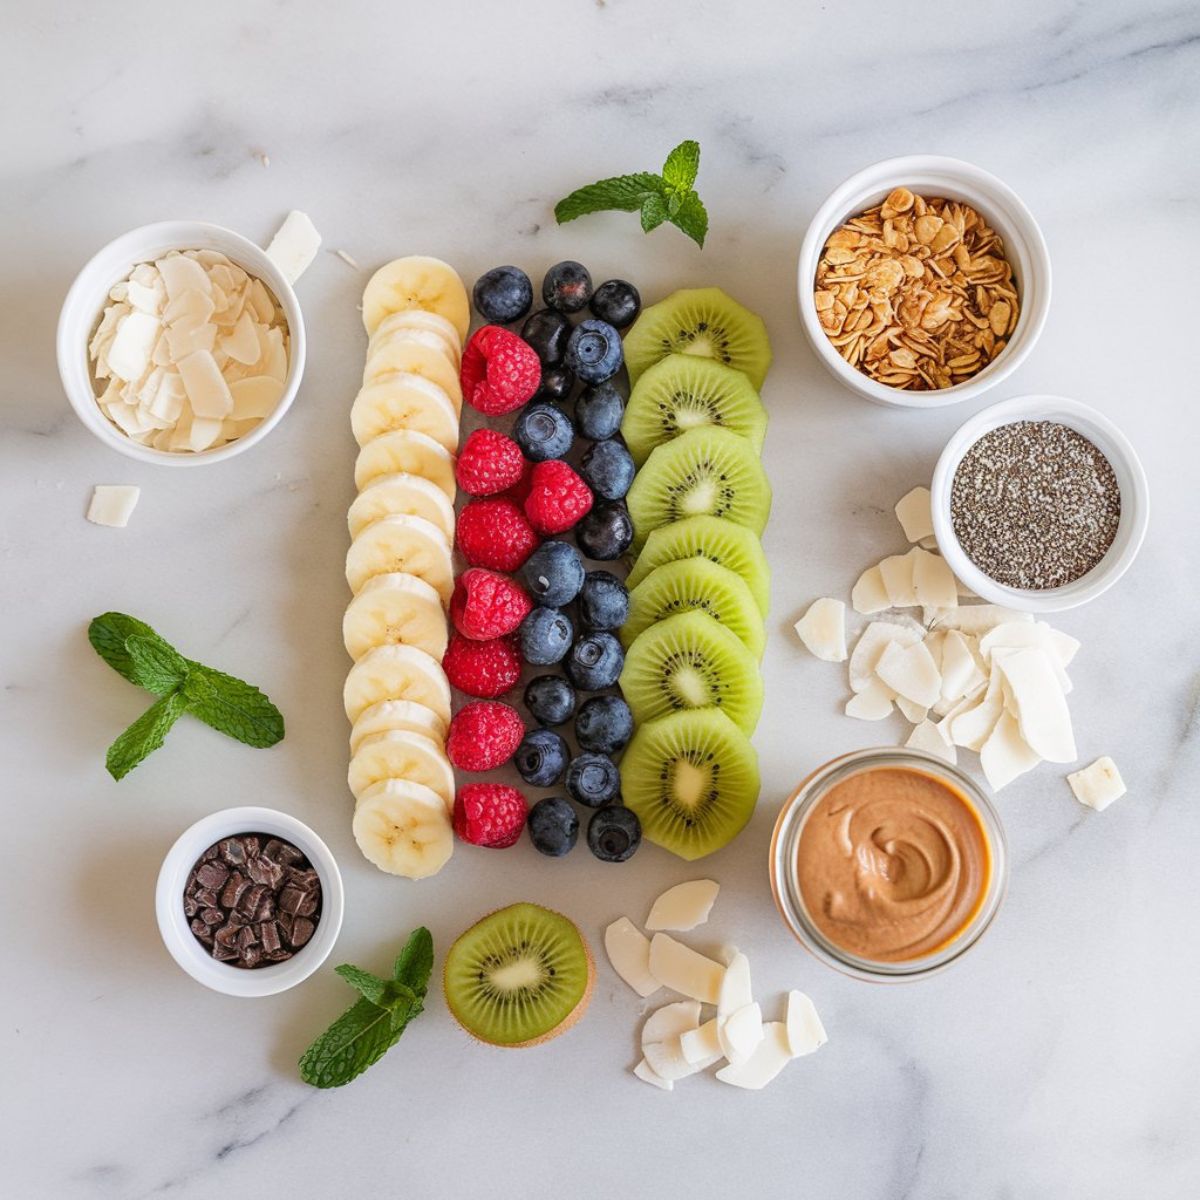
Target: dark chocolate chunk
[(268, 936), (266, 909), (202, 931), (264, 870), (233, 852), (306, 880), (223, 953), (191, 906), (290, 900), (209, 854), (302, 930), (252, 845), (251, 956), (237, 884), (212, 916), (212, 875), (206, 897), (251, 898)]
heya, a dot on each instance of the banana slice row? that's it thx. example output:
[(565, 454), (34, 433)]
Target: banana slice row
[(400, 567)]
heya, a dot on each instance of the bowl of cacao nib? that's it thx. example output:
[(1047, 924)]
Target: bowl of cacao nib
[(1039, 503), (249, 901)]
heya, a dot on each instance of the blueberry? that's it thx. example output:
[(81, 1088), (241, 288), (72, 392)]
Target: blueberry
[(604, 724), (606, 532), (545, 635), (553, 826), (598, 412), (556, 384), (603, 601), (593, 779), (550, 699), (541, 757), (543, 431), (503, 294), (553, 574), (547, 332), (594, 351), (613, 834), (595, 662), (616, 302), (607, 468), (567, 287)]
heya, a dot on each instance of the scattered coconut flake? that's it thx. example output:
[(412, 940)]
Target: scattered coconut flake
[(871, 644), (913, 713), (740, 1033), (772, 1055), (910, 671), (926, 736), (915, 514), (972, 728), (684, 906), (897, 572), (647, 1074), (666, 1060), (1041, 707), (294, 245), (823, 629), (803, 1027), (869, 595), (628, 951), (346, 258), (873, 703), (112, 504), (928, 543), (670, 1021), (933, 582), (975, 619), (1005, 755), (701, 1043), (1099, 785), (681, 969), (961, 673), (735, 991)]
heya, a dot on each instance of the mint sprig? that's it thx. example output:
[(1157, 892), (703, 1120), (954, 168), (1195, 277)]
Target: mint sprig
[(669, 197), (367, 1030), (229, 705)]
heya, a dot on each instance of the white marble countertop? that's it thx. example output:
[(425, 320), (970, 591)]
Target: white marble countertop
[(1060, 1059)]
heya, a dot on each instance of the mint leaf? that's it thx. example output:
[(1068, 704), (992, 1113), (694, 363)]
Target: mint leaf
[(654, 213), (157, 665), (692, 218), (682, 166), (625, 193), (144, 736), (414, 964), (232, 706), (384, 993), (108, 634)]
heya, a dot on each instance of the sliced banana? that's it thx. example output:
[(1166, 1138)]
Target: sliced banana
[(407, 451), (416, 318), (395, 608), (404, 354), (396, 673), (405, 715), (403, 828), (404, 401), (417, 282), (411, 545), (401, 495), (399, 754)]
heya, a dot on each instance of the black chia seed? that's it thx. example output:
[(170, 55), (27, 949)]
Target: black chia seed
[(1035, 505)]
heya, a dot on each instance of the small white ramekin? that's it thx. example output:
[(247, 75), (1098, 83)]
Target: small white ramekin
[(89, 295), (930, 175), (182, 943), (1131, 479)]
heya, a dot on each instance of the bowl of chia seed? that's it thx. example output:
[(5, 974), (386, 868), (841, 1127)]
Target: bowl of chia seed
[(1039, 503)]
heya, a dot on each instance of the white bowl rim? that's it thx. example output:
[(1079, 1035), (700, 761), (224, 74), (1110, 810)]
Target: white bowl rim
[(181, 235), (1135, 506), (173, 925), (1036, 290)]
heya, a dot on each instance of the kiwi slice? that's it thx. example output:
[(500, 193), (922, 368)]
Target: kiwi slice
[(520, 976), (706, 472), (696, 584), (690, 661), (704, 322), (721, 542), (692, 779), (684, 392)]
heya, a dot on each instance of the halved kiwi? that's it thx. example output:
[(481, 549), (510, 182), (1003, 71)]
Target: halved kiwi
[(704, 322), (520, 976), (689, 661), (692, 779), (706, 472), (721, 542), (684, 392), (696, 584)]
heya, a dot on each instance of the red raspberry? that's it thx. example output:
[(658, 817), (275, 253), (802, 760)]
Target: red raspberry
[(484, 735), (500, 371), (557, 499), (489, 814), (486, 605), (495, 533), (489, 462), (483, 669), (519, 492)]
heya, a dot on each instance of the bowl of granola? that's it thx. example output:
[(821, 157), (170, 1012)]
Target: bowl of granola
[(923, 281)]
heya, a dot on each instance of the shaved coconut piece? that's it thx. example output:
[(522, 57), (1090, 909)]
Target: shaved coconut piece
[(112, 504), (144, 299), (680, 968), (1006, 755), (975, 619), (1099, 785), (873, 703), (960, 671), (203, 432), (701, 1043), (666, 1060), (684, 906), (295, 245), (897, 572), (647, 1074), (969, 701), (740, 1033), (803, 1027), (823, 629), (735, 991), (869, 595), (670, 1021), (168, 400), (207, 391), (933, 643), (928, 543), (926, 736), (1020, 635), (915, 514), (1041, 707), (189, 306), (772, 1055), (129, 352), (871, 644), (914, 714), (972, 728), (255, 397), (181, 273), (628, 951), (910, 671), (1063, 645), (933, 581), (276, 364), (241, 343), (186, 337), (260, 301)]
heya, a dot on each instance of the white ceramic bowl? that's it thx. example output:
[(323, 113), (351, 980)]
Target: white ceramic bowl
[(930, 175), (1131, 478), (89, 294), (192, 956)]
